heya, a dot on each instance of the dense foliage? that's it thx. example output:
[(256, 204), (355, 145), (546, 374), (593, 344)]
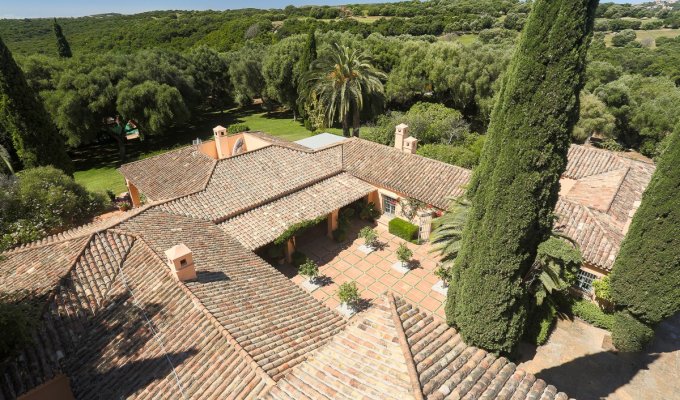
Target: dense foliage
[(645, 279), (17, 321), (24, 124), (514, 189), (63, 48), (403, 229), (629, 333), (42, 201)]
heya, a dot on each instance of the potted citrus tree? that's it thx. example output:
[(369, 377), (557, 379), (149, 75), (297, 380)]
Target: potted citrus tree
[(404, 255), (310, 271), (370, 237), (444, 275), (348, 294)]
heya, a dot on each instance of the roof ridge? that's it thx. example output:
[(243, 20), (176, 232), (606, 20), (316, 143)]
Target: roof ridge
[(216, 324), (164, 153), (106, 225), (406, 349), (618, 187)]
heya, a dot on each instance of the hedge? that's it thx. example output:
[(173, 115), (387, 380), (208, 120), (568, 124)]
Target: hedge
[(629, 334), (591, 313), (403, 229)]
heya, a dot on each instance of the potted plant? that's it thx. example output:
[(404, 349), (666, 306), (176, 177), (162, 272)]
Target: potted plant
[(124, 206), (369, 235), (444, 275), (348, 293), (404, 255), (309, 270)]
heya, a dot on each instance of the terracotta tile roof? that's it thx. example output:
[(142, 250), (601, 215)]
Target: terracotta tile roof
[(72, 288), (151, 341), (425, 179), (170, 175), (371, 359), (274, 320), (276, 140), (262, 225), (251, 179), (600, 193)]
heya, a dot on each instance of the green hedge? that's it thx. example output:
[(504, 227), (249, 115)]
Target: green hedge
[(403, 229), (629, 334), (591, 313)]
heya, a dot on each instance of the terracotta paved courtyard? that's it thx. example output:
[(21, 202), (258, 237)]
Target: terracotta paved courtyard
[(373, 273)]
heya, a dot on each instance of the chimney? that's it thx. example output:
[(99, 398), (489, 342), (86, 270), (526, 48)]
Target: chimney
[(181, 261), (400, 133), (221, 142), (410, 145)]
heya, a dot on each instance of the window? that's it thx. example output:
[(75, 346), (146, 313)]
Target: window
[(585, 281), (183, 262), (389, 205)]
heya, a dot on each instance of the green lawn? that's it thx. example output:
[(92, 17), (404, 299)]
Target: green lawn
[(644, 35), (96, 164)]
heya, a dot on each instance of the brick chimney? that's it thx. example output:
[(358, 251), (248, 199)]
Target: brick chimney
[(221, 142), (410, 145), (181, 261), (400, 133)]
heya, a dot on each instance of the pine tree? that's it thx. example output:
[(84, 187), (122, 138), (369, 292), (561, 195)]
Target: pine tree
[(63, 48), (515, 187), (23, 117), (645, 280)]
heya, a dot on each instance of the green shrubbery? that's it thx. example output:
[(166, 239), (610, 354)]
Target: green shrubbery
[(43, 201), (403, 229), (309, 269), (17, 321), (237, 128), (629, 334), (591, 313), (348, 293), (404, 254)]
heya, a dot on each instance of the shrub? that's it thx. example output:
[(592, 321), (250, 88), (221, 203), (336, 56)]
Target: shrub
[(602, 288), (340, 235), (591, 313), (541, 324), (402, 229), (404, 254), (369, 235), (299, 258), (237, 128), (369, 212), (124, 206), (623, 38), (296, 229), (17, 321), (43, 201), (443, 273), (348, 293), (309, 269), (629, 334)]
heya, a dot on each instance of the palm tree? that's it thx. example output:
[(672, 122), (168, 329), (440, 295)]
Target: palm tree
[(341, 81), (553, 271)]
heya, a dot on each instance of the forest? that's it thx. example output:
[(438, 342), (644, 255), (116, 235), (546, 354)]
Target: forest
[(440, 65)]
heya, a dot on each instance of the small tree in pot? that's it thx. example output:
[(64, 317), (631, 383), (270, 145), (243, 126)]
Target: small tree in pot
[(369, 235), (444, 274), (348, 293), (309, 270), (404, 254)]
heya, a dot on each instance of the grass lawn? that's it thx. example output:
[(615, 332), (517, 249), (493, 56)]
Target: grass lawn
[(644, 35), (96, 164)]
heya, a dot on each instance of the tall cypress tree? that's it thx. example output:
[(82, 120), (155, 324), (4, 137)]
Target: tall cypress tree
[(24, 118), (309, 53), (63, 48), (645, 279), (515, 187)]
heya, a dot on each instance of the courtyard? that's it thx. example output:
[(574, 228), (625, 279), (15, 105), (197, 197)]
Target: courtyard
[(373, 273), (577, 355)]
